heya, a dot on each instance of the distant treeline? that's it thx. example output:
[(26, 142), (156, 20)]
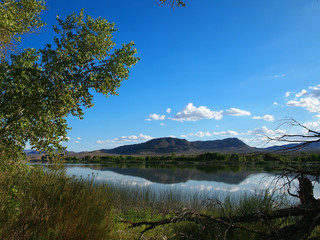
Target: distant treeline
[(205, 157)]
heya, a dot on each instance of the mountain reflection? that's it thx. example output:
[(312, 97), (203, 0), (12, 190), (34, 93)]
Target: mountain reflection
[(178, 175)]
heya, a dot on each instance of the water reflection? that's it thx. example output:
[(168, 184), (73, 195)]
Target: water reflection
[(219, 180), (231, 174), (186, 180)]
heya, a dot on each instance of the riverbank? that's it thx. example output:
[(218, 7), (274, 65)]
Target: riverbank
[(205, 159), (50, 205)]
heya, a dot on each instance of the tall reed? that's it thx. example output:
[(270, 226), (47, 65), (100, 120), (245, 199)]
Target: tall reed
[(49, 205)]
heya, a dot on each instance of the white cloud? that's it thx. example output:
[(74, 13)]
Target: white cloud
[(275, 103), (287, 94), (302, 93), (168, 110), (155, 117), (279, 75), (183, 136), (192, 113), (261, 131), (76, 142), (237, 112), (312, 104), (308, 100), (79, 138), (131, 138), (27, 146), (226, 133), (264, 131), (202, 134), (162, 124), (315, 91), (268, 118), (312, 125), (247, 140), (260, 141)]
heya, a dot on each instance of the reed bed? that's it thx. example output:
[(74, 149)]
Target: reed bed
[(49, 205), (166, 200), (37, 204)]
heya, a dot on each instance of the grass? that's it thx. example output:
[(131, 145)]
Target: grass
[(164, 201), (37, 204), (145, 204)]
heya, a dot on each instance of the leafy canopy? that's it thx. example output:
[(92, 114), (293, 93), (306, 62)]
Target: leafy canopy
[(178, 3), (16, 18), (40, 88)]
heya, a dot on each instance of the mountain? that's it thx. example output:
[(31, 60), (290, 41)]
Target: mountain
[(228, 144), (31, 152), (312, 147), (170, 145), (174, 176), (34, 153)]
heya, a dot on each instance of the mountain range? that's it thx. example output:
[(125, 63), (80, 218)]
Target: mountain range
[(169, 145), (177, 175)]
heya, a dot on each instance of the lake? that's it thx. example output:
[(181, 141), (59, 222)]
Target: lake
[(221, 180)]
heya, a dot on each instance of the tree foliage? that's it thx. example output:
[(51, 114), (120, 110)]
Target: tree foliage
[(40, 88), (16, 18), (173, 3)]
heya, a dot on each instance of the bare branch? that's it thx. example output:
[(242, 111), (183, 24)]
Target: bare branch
[(302, 140)]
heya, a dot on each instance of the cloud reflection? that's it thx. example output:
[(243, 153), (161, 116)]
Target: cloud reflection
[(253, 183)]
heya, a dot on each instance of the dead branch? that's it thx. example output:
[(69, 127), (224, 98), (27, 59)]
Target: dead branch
[(236, 221), (302, 140)]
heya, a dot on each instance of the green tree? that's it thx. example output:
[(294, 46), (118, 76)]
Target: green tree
[(40, 88), (235, 157), (16, 18), (19, 17), (173, 3)]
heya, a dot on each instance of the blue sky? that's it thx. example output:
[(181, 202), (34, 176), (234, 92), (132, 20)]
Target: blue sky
[(212, 70)]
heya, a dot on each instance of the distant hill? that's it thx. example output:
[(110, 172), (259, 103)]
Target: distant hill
[(31, 152), (170, 145), (174, 176), (312, 147), (228, 144)]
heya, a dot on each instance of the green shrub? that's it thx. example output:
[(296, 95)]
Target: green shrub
[(49, 205), (258, 202)]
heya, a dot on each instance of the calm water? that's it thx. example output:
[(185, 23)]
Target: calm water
[(215, 180)]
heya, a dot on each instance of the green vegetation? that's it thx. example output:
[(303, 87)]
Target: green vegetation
[(209, 157), (37, 204), (229, 207), (173, 3), (40, 88), (17, 18), (48, 205)]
